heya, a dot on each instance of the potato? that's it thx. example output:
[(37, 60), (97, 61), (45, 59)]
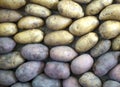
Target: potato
[(34, 52), (86, 42), (88, 79), (7, 77), (29, 70), (109, 29), (96, 6), (115, 73), (6, 45), (101, 47), (57, 70), (19, 84), (37, 10), (51, 4), (8, 29), (52, 22), (44, 81), (12, 4), (81, 64), (10, 60), (54, 38), (116, 43), (63, 53), (83, 1), (9, 15), (70, 82), (111, 83), (29, 36), (70, 9), (84, 25), (105, 63), (111, 12)]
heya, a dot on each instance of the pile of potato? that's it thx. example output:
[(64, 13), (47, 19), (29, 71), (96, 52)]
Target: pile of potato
[(59, 43)]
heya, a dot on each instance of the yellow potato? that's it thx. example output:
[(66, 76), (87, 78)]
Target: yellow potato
[(109, 29), (84, 25), (37, 10), (7, 29), (116, 43), (86, 42), (52, 22), (70, 9), (29, 22), (61, 37), (12, 4), (83, 1), (29, 36)]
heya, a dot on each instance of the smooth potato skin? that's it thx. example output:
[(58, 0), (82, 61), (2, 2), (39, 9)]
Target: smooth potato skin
[(111, 83), (83, 1), (19, 84), (116, 43)]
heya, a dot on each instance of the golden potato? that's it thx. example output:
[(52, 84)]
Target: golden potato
[(116, 43), (70, 9), (83, 1), (86, 42), (29, 22), (7, 29), (29, 36), (61, 37), (52, 22), (37, 10), (109, 29), (84, 25)]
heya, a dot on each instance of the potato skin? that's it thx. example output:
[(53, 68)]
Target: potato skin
[(29, 36), (37, 10), (52, 22), (29, 70), (57, 70), (109, 29), (53, 38), (70, 9), (111, 83), (8, 29), (34, 52), (62, 53), (116, 43), (9, 15), (83, 1), (87, 78), (86, 42), (84, 25), (19, 84)]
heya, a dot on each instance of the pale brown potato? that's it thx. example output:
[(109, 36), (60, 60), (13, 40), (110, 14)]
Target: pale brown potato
[(61, 37), (8, 29), (86, 42), (84, 25), (29, 36), (12, 4), (70, 9), (83, 1), (29, 22), (53, 24), (116, 43), (109, 29), (37, 10)]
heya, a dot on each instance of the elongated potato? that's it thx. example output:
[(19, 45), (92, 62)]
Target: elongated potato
[(12, 4), (111, 12), (37, 10), (29, 22), (83, 25), (86, 42), (82, 1), (62, 37), (70, 9), (7, 29), (52, 22), (109, 29), (116, 43), (29, 36)]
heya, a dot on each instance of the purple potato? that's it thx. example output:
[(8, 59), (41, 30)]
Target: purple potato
[(111, 83)]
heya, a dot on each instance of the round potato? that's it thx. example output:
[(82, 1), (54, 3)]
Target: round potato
[(83, 1), (52, 22), (116, 43), (109, 29), (19, 84), (84, 25), (70, 9), (37, 10), (54, 38), (86, 42), (8, 29), (29, 22), (29, 36), (111, 83)]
